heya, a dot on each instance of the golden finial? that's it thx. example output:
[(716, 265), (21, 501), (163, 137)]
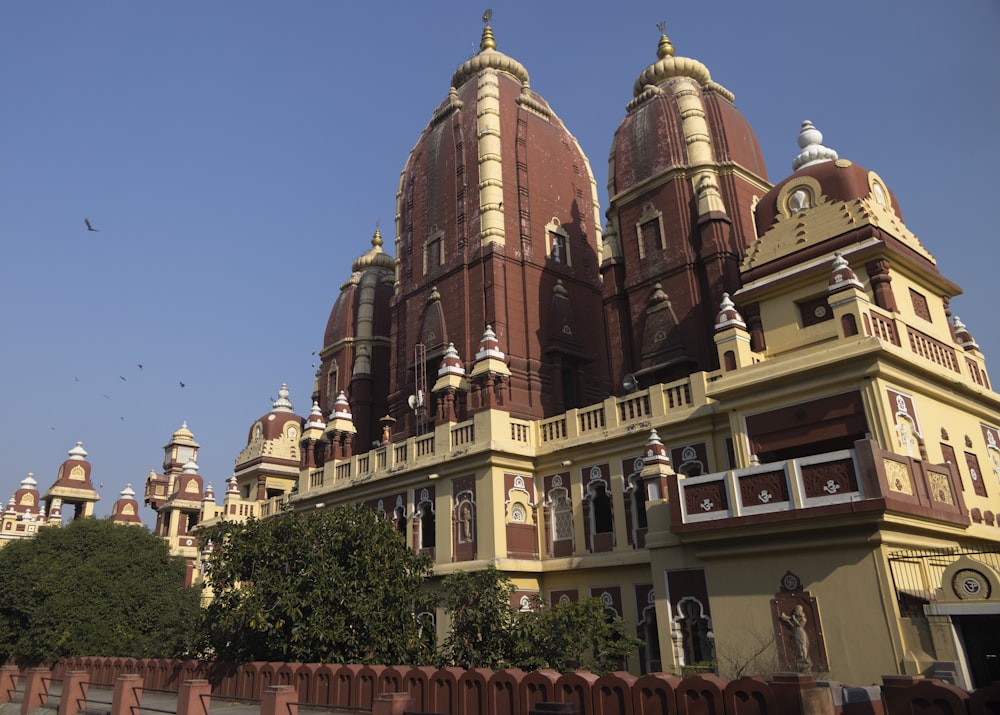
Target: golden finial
[(377, 238), (488, 42), (665, 49)]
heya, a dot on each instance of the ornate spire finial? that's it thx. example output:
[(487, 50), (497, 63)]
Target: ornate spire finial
[(377, 237), (282, 404), (811, 143), (665, 48), (488, 42)]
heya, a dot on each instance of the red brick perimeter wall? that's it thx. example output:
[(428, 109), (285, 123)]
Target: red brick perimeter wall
[(455, 691)]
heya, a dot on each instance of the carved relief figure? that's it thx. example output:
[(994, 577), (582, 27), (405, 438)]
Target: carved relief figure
[(796, 622)]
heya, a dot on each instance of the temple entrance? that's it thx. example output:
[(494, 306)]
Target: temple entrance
[(980, 635)]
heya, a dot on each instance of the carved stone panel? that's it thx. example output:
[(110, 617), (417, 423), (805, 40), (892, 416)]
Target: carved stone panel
[(829, 478), (940, 488), (798, 633), (762, 489), (705, 498), (897, 475)]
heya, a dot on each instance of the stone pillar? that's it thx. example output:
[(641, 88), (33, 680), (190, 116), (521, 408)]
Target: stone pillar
[(35, 695), (8, 682), (878, 276), (279, 700), (393, 704), (751, 313), (74, 693), (126, 698), (193, 697)]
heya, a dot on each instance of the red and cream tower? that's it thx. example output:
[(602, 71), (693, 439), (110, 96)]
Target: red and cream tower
[(73, 486), (684, 174), (478, 244), (176, 494)]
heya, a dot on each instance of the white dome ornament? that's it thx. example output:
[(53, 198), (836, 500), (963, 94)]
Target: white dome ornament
[(811, 144)]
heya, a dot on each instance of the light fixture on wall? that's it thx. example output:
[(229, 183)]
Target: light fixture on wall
[(434, 475), (566, 463)]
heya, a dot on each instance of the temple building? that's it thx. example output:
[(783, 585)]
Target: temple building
[(742, 414)]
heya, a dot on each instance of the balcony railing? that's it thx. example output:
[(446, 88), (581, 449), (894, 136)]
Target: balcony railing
[(867, 474), (595, 421), (816, 480)]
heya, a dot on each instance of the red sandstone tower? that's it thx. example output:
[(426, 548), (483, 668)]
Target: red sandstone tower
[(479, 245), (685, 172)]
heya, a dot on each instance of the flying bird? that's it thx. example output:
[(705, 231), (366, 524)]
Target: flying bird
[(181, 384), (89, 227), (139, 364), (123, 378)]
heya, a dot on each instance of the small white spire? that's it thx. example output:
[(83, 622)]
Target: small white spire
[(282, 404), (315, 417), (811, 144), (78, 452)]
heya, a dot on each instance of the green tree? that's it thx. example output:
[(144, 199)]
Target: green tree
[(94, 588), (322, 586), (486, 631), (481, 634), (578, 635)]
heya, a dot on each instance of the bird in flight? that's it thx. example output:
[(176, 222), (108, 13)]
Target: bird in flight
[(181, 384), (123, 378), (89, 227), (139, 364)]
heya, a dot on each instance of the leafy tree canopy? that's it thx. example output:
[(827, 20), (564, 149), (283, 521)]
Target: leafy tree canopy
[(94, 588), (486, 631), (481, 634), (577, 635), (323, 586)]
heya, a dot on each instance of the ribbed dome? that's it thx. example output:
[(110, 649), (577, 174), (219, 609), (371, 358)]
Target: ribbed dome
[(466, 177), (489, 58), (494, 178), (661, 128), (375, 258), (183, 435), (375, 267)]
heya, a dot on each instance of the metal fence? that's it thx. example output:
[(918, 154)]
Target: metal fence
[(917, 573)]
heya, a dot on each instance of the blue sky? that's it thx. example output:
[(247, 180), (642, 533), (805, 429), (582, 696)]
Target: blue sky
[(236, 155)]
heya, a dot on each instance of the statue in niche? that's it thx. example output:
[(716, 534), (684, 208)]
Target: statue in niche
[(796, 622), (465, 522), (798, 631)]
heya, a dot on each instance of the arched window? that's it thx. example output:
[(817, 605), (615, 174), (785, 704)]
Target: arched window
[(427, 538), (693, 636), (399, 519), (562, 515), (601, 508)]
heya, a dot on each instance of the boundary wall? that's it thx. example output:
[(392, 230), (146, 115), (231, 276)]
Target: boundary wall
[(280, 688)]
